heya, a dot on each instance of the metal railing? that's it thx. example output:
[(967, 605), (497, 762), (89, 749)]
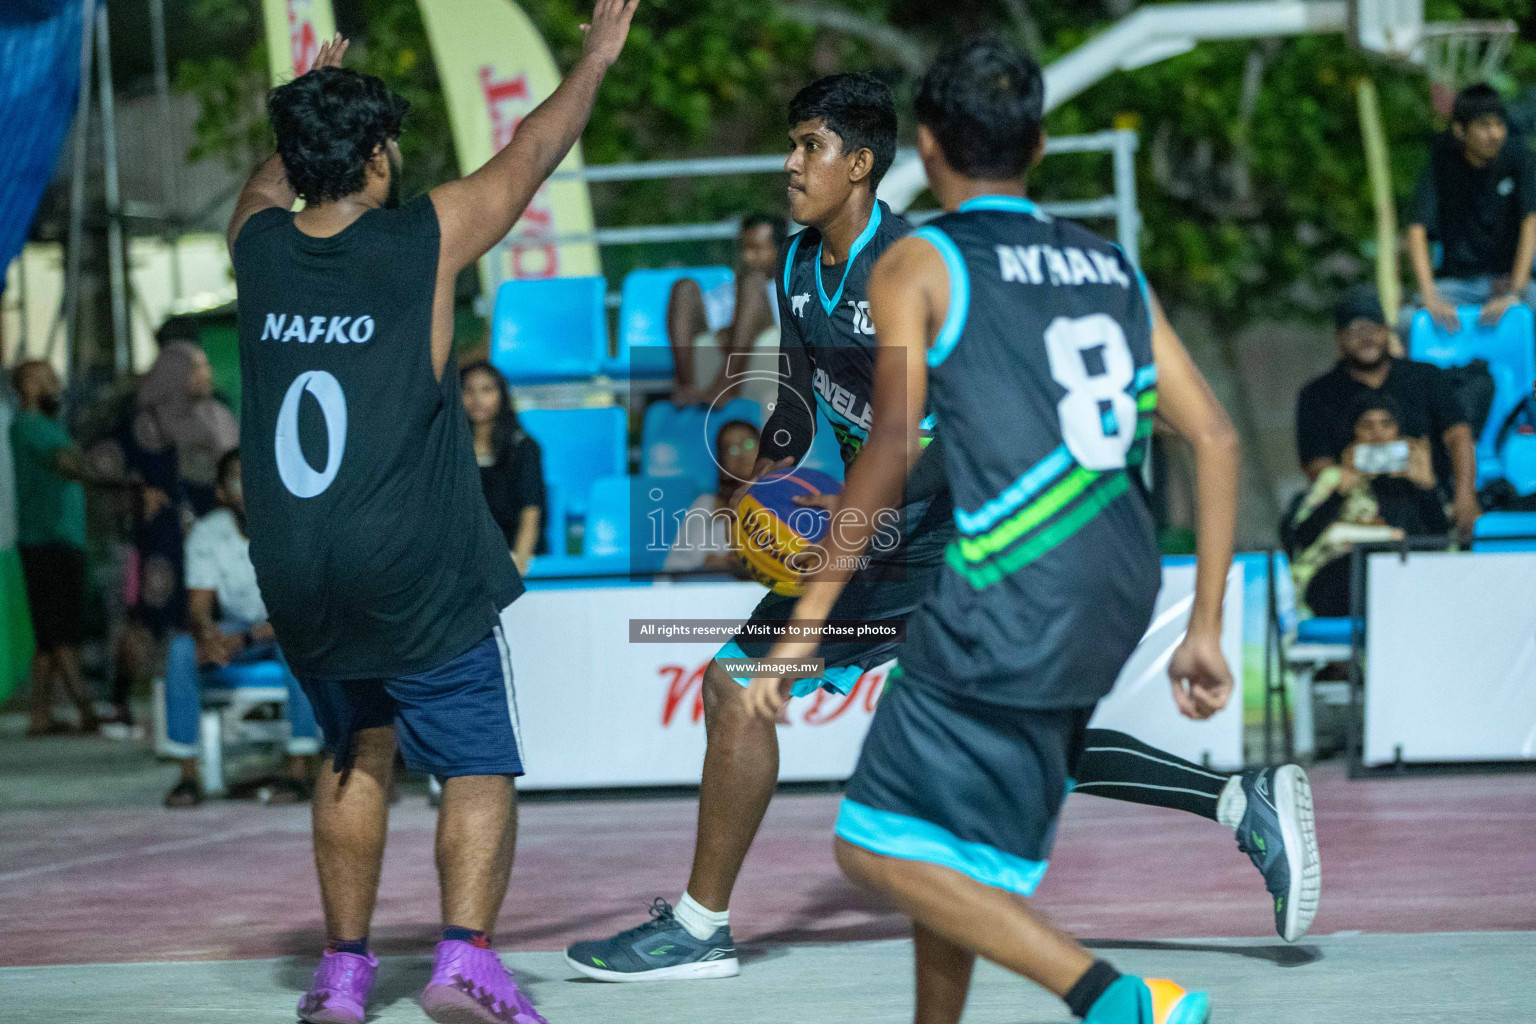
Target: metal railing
[(1120, 205)]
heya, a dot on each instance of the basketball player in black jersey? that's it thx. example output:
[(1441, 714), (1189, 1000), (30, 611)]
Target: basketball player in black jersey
[(1049, 583), (376, 554), (843, 138)]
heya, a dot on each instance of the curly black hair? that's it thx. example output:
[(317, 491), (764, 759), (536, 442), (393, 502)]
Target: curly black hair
[(329, 123), (984, 100), (859, 109)]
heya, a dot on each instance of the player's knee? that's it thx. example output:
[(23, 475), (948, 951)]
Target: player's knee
[(685, 294), (725, 700)]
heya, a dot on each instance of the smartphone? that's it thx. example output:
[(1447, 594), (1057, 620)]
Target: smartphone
[(1382, 459)]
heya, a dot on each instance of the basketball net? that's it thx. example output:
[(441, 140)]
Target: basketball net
[(1456, 54)]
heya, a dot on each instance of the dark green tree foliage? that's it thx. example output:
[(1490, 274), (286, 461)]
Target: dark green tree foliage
[(1251, 173)]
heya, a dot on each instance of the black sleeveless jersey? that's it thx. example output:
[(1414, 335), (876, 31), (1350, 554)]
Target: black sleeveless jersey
[(827, 345), (375, 550), (1043, 386)]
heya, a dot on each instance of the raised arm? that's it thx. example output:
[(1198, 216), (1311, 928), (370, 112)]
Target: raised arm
[(908, 300), (476, 212), (1202, 680), (268, 184)]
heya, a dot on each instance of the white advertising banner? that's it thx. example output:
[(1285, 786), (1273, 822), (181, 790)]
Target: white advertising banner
[(1141, 703), (1450, 657), (599, 711)]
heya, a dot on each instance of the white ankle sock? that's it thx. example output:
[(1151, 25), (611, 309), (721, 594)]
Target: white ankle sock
[(1232, 804), (700, 922)]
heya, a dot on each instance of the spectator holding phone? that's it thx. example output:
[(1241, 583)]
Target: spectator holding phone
[(1382, 489), (1477, 198), (1425, 404), (704, 535)]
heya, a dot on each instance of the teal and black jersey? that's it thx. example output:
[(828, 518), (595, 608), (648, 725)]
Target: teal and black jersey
[(1043, 385), (827, 339), (827, 345)]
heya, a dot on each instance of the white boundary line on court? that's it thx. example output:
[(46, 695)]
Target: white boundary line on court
[(147, 851), (1117, 945)]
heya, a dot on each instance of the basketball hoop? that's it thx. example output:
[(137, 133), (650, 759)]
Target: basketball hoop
[(1456, 54), (1453, 54)]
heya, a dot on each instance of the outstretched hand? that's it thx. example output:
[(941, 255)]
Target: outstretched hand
[(608, 29), (331, 52)]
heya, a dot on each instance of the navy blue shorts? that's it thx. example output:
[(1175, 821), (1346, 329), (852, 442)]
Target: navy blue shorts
[(973, 787), (457, 719)]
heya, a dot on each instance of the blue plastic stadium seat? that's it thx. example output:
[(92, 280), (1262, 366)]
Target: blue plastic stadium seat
[(643, 349), (245, 674), (579, 446), (1510, 349), (1493, 528), (1518, 459), (608, 527), (549, 329), (679, 443), (637, 518), (1325, 631)]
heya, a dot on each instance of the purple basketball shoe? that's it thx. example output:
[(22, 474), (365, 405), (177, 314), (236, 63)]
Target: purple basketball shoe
[(339, 992), (470, 985)]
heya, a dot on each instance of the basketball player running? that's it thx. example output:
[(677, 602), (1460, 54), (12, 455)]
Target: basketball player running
[(844, 139), (377, 556), (1050, 582)]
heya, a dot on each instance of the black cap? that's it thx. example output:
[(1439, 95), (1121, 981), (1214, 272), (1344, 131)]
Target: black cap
[(1358, 304)]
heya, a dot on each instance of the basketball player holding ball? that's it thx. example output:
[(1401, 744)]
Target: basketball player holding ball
[(843, 137), (373, 545)]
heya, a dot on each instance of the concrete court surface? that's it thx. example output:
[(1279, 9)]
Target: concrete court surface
[(1361, 979), (115, 909)]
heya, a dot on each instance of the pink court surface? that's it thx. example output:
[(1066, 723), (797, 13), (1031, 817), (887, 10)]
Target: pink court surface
[(119, 910)]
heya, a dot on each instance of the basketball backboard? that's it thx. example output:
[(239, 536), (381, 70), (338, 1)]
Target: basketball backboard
[(1388, 27)]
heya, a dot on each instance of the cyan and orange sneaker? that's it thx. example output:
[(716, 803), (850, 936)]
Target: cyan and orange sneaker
[(1133, 1000)]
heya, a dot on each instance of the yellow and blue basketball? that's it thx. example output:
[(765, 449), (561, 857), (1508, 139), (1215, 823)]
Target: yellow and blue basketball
[(771, 528)]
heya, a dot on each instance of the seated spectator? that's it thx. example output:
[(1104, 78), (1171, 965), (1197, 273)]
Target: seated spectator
[(1477, 198), (229, 625), (704, 536), (1372, 494), (511, 466), (1427, 408), (702, 345), (50, 538)]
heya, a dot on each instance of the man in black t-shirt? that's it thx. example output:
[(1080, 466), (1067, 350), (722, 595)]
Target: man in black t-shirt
[(1477, 198), (377, 556), (1324, 418)]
